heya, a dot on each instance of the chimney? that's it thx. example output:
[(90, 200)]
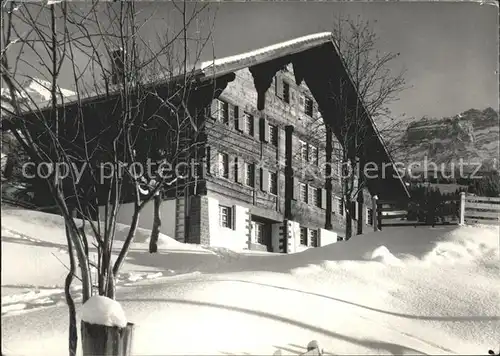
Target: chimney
[(117, 66)]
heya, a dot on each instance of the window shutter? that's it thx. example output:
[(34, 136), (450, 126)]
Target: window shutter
[(213, 109), (238, 124), (323, 198), (225, 112), (241, 171), (264, 130), (256, 128), (302, 102), (254, 182), (230, 113), (215, 163), (208, 163), (231, 166), (233, 217), (264, 180), (278, 86), (316, 113), (296, 189)]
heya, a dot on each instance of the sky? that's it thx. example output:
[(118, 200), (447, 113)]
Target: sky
[(449, 50)]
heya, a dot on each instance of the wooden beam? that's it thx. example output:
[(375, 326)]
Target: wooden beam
[(263, 75)]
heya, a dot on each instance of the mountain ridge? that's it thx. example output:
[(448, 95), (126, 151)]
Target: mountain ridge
[(472, 136)]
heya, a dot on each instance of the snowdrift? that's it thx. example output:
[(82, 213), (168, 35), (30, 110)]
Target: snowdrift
[(400, 291), (50, 228)]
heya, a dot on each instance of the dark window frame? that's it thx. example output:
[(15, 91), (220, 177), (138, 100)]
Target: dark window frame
[(303, 236), (308, 106), (228, 211)]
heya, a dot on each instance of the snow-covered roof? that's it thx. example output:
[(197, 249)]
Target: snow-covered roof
[(35, 91), (233, 63), (215, 68)]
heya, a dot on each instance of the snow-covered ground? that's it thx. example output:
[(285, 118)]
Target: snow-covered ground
[(400, 291)]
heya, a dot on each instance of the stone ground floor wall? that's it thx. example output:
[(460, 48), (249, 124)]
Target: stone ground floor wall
[(203, 225), (327, 237), (235, 237)]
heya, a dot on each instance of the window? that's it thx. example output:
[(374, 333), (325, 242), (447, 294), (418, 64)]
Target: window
[(304, 151), (249, 129), (223, 165), (287, 68), (337, 149), (259, 232), (303, 192), (220, 111), (286, 92), (273, 183), (308, 106), (370, 216), (303, 236), (249, 174), (313, 237), (197, 170), (236, 115), (225, 216), (273, 135), (313, 154), (316, 197), (341, 206)]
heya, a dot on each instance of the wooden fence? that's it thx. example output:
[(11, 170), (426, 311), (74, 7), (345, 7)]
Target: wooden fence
[(391, 213), (469, 209), (479, 210)]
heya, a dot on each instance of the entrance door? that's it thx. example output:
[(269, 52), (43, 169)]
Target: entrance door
[(261, 234)]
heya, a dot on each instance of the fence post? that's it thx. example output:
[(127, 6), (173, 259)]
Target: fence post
[(102, 340), (462, 208), (374, 213)]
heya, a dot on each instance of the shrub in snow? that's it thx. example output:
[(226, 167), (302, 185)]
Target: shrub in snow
[(103, 311)]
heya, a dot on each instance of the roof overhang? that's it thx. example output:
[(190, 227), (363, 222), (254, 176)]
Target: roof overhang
[(316, 60)]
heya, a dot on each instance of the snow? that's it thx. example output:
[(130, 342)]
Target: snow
[(383, 255), (403, 290), (102, 310), (287, 46)]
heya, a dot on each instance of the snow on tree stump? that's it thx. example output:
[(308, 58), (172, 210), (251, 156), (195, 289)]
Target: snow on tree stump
[(104, 327), (102, 340)]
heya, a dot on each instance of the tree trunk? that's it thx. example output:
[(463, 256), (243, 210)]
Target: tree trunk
[(153, 241), (73, 334), (10, 163), (361, 217), (101, 340), (348, 220)]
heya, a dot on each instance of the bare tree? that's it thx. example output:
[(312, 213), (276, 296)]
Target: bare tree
[(377, 87), (94, 147), (183, 144)]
